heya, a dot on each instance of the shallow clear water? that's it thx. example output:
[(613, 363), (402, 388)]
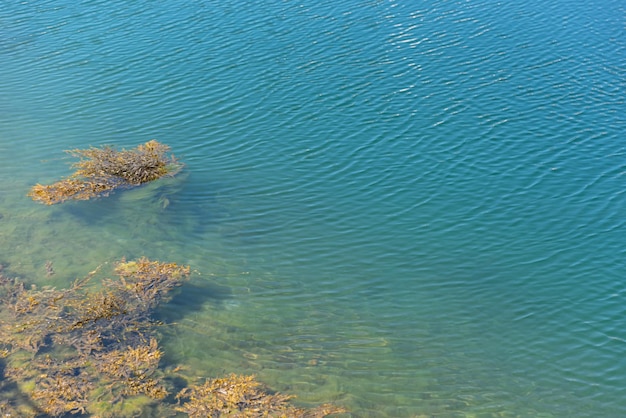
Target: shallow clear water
[(406, 208)]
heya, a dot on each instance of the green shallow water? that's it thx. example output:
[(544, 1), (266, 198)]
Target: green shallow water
[(405, 208)]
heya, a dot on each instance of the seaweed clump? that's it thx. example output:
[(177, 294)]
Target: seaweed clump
[(86, 351), (94, 351), (242, 396), (101, 170)]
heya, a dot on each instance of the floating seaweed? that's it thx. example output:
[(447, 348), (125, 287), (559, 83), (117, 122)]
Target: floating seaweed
[(149, 282), (102, 170), (242, 396), (62, 386), (67, 348), (134, 367), (95, 352)]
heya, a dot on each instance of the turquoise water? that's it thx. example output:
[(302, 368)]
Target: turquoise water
[(406, 208)]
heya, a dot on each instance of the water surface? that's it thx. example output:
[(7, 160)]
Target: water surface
[(406, 208)]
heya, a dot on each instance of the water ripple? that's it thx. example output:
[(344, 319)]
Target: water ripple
[(418, 205)]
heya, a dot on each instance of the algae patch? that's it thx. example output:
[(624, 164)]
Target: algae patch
[(102, 170), (93, 350)]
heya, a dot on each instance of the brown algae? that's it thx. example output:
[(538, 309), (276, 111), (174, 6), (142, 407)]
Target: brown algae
[(102, 170), (242, 396), (94, 352)]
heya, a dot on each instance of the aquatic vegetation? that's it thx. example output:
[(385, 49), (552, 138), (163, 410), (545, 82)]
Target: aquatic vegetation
[(134, 367), (93, 350), (242, 396), (101, 170), (149, 281), (62, 387), (8, 410), (67, 348), (66, 189)]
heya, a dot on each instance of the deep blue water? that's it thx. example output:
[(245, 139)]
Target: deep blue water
[(407, 208)]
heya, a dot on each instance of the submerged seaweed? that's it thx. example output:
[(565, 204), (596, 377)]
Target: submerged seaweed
[(95, 352), (68, 348), (101, 170), (242, 396)]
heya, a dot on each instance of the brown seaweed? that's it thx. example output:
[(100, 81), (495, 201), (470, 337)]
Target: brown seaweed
[(64, 346), (62, 386), (242, 396), (95, 352), (102, 170)]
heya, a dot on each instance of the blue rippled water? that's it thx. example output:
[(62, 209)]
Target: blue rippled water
[(407, 208)]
